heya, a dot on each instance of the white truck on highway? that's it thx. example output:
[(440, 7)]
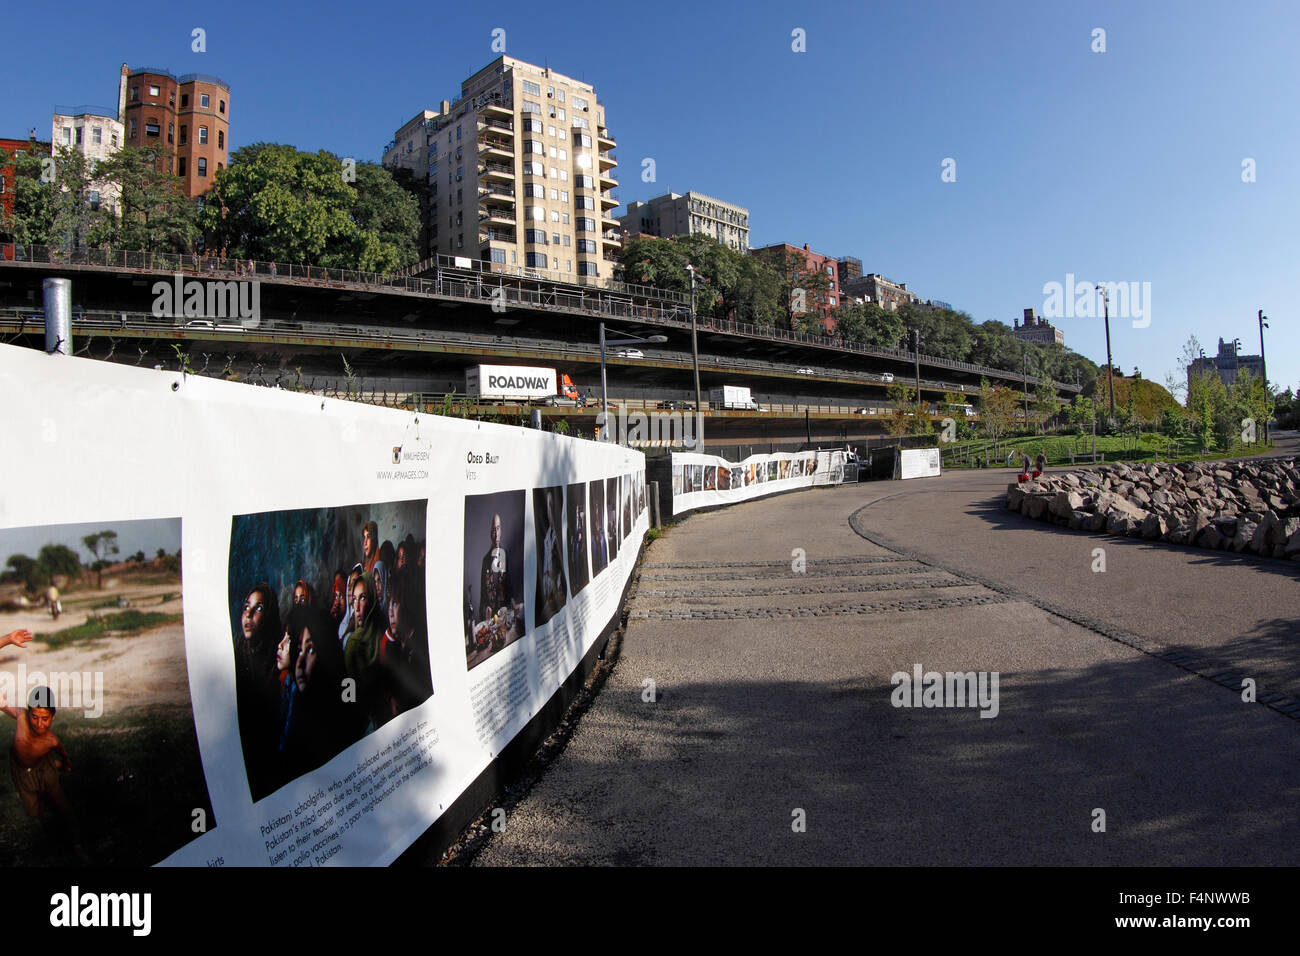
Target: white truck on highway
[(520, 383), (732, 396)]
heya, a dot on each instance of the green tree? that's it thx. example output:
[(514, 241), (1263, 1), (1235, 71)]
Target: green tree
[(58, 559), (869, 324), (22, 568), (102, 545), (387, 219), (155, 214), (33, 201), (998, 405)]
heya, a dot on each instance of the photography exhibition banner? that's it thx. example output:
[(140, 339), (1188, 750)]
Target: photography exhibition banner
[(703, 481), (288, 630)]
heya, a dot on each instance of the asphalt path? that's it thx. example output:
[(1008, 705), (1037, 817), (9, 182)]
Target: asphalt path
[(749, 719)]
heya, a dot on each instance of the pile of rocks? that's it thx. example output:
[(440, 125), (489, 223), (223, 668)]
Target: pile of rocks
[(1251, 506)]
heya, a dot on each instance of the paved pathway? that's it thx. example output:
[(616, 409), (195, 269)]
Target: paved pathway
[(773, 696)]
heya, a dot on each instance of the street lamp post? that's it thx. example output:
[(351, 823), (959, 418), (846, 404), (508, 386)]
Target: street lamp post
[(603, 415), (1110, 368), (695, 359)]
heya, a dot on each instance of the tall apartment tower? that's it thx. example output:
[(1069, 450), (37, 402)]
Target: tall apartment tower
[(520, 173), (188, 116)]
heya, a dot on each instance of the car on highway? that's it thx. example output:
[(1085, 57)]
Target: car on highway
[(630, 354), (887, 377), (805, 371), (674, 404), (560, 401)]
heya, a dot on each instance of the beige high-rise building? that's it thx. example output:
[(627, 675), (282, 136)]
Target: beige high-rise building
[(520, 173)]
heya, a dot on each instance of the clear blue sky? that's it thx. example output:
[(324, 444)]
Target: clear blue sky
[(1117, 166)]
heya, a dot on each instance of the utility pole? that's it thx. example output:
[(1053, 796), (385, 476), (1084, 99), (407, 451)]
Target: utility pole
[(1110, 367), (1263, 370), (1024, 379), (916, 338)]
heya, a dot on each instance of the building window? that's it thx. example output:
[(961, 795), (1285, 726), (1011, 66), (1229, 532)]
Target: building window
[(203, 135), (133, 129), (498, 256), (555, 216), (203, 101), (532, 88), (532, 125), (154, 91), (180, 166), (586, 202), (185, 101), (113, 139), (221, 106), (67, 136), (94, 200), (151, 129), (580, 122), (457, 132), (564, 195), (550, 91), (185, 130), (532, 146), (587, 269), (550, 151), (555, 238), (564, 175), (564, 217), (550, 131), (554, 173), (97, 136), (585, 225), (586, 245), (534, 169), (536, 259), (203, 166), (539, 214), (460, 240), (135, 94), (560, 96), (535, 235), (459, 173), (221, 139), (567, 241), (527, 106), (171, 132), (579, 103), (535, 190)]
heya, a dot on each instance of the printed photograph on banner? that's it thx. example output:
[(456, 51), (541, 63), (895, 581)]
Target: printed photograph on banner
[(599, 543), (710, 477), (576, 529), (494, 573), (640, 493), (772, 470), (678, 485), (104, 765), (611, 516), (329, 628), (724, 479), (548, 509), (783, 469), (626, 493)]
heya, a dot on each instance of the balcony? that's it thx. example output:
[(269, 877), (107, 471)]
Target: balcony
[(496, 235), (607, 179), (605, 137), (607, 160), (498, 215), (496, 171), (613, 238), (496, 150), (503, 190), (608, 199), (497, 110), (505, 126)]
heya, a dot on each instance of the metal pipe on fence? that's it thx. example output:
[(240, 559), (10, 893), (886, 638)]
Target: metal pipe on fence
[(58, 316)]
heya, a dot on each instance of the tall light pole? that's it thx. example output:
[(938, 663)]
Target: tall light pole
[(916, 354), (1110, 368), (1024, 380), (1263, 371), (695, 359), (629, 340)]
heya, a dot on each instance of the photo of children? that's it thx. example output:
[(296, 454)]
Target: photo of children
[(318, 596), (494, 573), (104, 765), (548, 507), (599, 543), (576, 530)]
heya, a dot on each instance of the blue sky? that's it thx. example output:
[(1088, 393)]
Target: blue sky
[(1121, 166)]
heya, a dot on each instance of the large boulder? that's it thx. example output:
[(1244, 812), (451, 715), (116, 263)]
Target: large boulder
[(1153, 526), (1065, 503)]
